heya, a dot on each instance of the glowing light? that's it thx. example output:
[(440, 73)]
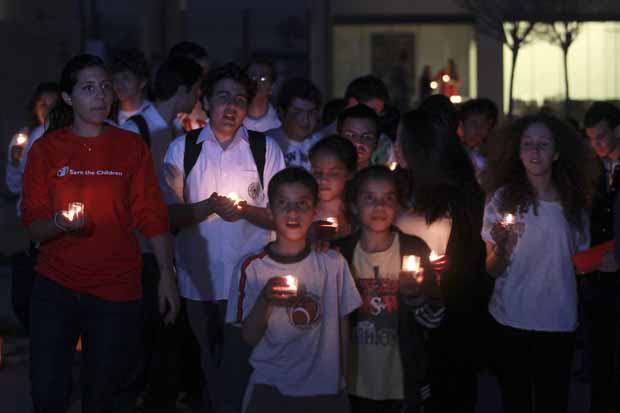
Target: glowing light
[(333, 221), (291, 283), (434, 85), (22, 138), (393, 166), (509, 219), (456, 99), (445, 78), (435, 257), (411, 263), (75, 210)]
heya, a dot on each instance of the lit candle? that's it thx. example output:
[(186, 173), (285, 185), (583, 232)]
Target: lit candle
[(411, 263), (22, 138), (508, 220), (291, 283), (75, 210), (434, 85), (235, 198), (393, 166), (435, 257), (456, 99), (445, 78), (333, 222)]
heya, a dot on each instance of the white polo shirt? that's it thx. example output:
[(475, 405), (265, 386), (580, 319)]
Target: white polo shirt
[(124, 115), (268, 121), (207, 253)]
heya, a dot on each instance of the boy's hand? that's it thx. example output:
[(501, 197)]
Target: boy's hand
[(277, 292), (227, 209)]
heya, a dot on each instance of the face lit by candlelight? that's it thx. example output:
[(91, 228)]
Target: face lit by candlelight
[(376, 205), (293, 211), (538, 151), (331, 174)]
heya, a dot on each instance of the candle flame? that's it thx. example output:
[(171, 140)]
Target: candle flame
[(456, 99), (291, 282), (434, 256), (333, 221), (393, 166), (445, 78), (21, 138), (434, 85), (509, 219), (411, 263)]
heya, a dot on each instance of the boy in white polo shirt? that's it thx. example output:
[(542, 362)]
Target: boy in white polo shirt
[(300, 334), (202, 171)]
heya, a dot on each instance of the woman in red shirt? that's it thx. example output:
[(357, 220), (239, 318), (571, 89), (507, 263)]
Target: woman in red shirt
[(89, 261)]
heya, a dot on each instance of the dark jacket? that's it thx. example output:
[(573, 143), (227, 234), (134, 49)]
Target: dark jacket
[(411, 335)]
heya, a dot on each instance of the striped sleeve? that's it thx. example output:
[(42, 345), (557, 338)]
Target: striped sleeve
[(244, 290)]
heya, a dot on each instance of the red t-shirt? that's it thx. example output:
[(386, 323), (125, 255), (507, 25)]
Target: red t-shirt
[(112, 175)]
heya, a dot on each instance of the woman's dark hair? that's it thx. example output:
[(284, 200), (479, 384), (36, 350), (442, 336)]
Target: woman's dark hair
[(42, 89), (574, 173), (339, 147), (376, 173), (228, 71), (62, 114), (443, 108), (441, 174)]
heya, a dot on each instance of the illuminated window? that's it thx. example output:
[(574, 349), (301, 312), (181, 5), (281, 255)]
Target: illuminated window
[(593, 67)]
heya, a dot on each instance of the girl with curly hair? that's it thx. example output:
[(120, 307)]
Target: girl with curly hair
[(539, 182)]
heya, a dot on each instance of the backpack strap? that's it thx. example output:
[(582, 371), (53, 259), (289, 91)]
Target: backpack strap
[(258, 146), (192, 150), (143, 128)]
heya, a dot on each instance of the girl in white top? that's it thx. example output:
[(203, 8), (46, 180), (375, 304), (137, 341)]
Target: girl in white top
[(539, 182)]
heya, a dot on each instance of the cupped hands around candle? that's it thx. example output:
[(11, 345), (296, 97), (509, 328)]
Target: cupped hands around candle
[(280, 290), (71, 220)]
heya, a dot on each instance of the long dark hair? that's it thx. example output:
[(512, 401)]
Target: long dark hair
[(62, 114), (441, 174), (42, 89), (574, 173)]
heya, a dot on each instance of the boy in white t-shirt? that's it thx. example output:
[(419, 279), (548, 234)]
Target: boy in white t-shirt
[(300, 334)]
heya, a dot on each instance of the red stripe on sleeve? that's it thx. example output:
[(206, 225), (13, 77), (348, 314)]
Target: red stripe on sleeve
[(243, 281)]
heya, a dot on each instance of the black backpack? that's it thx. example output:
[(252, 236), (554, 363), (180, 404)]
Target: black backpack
[(143, 128), (258, 146)]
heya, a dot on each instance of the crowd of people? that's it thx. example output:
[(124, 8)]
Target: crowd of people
[(211, 243)]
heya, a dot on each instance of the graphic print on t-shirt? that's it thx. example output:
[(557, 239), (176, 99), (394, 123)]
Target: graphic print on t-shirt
[(305, 312), (377, 319)]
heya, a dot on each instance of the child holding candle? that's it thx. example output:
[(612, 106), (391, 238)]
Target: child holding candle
[(540, 171), (334, 161), (89, 263), (300, 335), (389, 363)]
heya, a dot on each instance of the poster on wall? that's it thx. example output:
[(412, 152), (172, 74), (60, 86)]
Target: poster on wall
[(392, 59)]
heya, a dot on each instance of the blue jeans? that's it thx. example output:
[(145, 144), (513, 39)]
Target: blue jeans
[(109, 333)]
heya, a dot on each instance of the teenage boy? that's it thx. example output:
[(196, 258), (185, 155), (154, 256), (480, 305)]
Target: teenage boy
[(370, 91), (478, 117), (130, 75), (262, 116), (298, 328), (176, 87), (197, 117), (299, 105), (202, 170), (360, 125), (600, 290)]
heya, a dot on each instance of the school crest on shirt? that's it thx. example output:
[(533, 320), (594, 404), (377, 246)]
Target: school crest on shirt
[(254, 191), (305, 312)]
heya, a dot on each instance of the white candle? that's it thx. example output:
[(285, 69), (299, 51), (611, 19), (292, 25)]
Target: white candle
[(435, 257), (333, 222), (21, 138), (509, 219), (291, 283), (75, 210), (411, 263)]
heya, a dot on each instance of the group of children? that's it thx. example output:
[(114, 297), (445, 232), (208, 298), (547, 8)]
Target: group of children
[(320, 269)]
